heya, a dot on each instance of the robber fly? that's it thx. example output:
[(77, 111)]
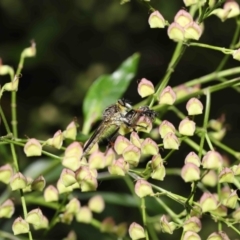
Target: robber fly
[(113, 117)]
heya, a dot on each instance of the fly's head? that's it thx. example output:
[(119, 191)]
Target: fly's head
[(147, 112), (123, 106)]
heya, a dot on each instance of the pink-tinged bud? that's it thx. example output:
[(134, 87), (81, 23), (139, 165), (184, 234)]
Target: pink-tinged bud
[(190, 2), (7, 209), (62, 188), (190, 172), (71, 131), (232, 7), (71, 236), (145, 87), (38, 184), (30, 51), (210, 179), (96, 204), (57, 140), (225, 192), (167, 96), (107, 225), (156, 161), (183, 18), (43, 225), (35, 216), (121, 230), (187, 127), (20, 226), (50, 194), (231, 200), (221, 211), (235, 168), (196, 211), (135, 140), (83, 172), (159, 173), (72, 156), (208, 202), (18, 181), (165, 128), (73, 206), (5, 69), (216, 124), (120, 144), (119, 167), (6, 173), (226, 175), (28, 188), (190, 235), (236, 54), (194, 107), (149, 147), (143, 188), (219, 135), (66, 217), (109, 157), (218, 236), (89, 183), (33, 148), (131, 154), (67, 177), (236, 214), (167, 227), (84, 215), (192, 157), (192, 224), (12, 86), (156, 20), (145, 124), (176, 32), (192, 31), (212, 160), (136, 231), (170, 141), (93, 149), (96, 160)]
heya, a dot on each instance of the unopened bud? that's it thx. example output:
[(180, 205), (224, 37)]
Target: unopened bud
[(83, 172), (12, 86), (35, 216), (43, 225), (226, 175), (38, 184), (20, 226), (121, 230), (187, 127), (66, 217), (143, 188), (232, 7), (18, 181), (156, 160), (107, 225), (135, 140), (57, 140), (71, 131), (109, 157), (131, 154), (71, 236), (231, 200), (119, 167), (190, 235), (165, 128), (136, 231), (84, 215), (170, 141), (192, 157), (190, 172), (192, 31), (96, 204), (62, 188), (5, 69), (159, 173), (144, 124), (50, 194), (30, 51), (96, 160), (33, 148), (89, 183), (120, 144), (194, 107), (210, 179), (7, 209), (235, 168), (208, 202), (220, 211), (166, 226), (190, 2), (73, 206), (167, 96), (236, 54), (67, 177), (236, 214), (218, 236), (6, 172), (149, 147), (176, 32), (183, 18), (212, 160), (156, 20), (192, 224), (145, 87)]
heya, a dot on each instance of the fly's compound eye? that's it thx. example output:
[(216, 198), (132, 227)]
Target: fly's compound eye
[(125, 103)]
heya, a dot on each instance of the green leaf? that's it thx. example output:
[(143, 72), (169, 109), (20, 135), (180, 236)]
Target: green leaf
[(106, 90)]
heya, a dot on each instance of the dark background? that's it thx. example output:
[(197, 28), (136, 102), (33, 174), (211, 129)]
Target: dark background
[(79, 40)]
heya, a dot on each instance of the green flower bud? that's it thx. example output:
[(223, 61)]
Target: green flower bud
[(183, 18), (66, 217), (192, 31), (96, 204), (143, 188), (232, 8), (43, 225), (96, 160), (236, 214), (192, 157), (208, 202), (132, 155), (149, 147), (62, 188), (189, 235), (176, 32), (136, 231), (159, 173), (156, 161), (165, 128), (7, 209), (226, 175), (167, 96), (187, 127), (190, 2), (107, 225), (18, 181), (57, 140), (119, 167), (89, 183), (33, 148), (236, 54), (120, 144), (156, 20), (84, 215), (192, 224), (167, 227), (67, 177), (5, 69), (145, 123), (190, 172), (50, 194), (221, 211), (231, 200), (83, 172), (212, 160), (35, 217), (109, 157), (71, 131), (12, 86), (71, 236), (218, 236), (6, 173), (38, 184), (170, 141), (121, 230), (145, 87), (135, 140), (20, 226), (73, 206), (194, 107), (210, 179), (30, 51), (235, 169)]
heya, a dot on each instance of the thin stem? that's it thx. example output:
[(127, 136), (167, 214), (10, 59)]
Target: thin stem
[(221, 49), (144, 217)]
